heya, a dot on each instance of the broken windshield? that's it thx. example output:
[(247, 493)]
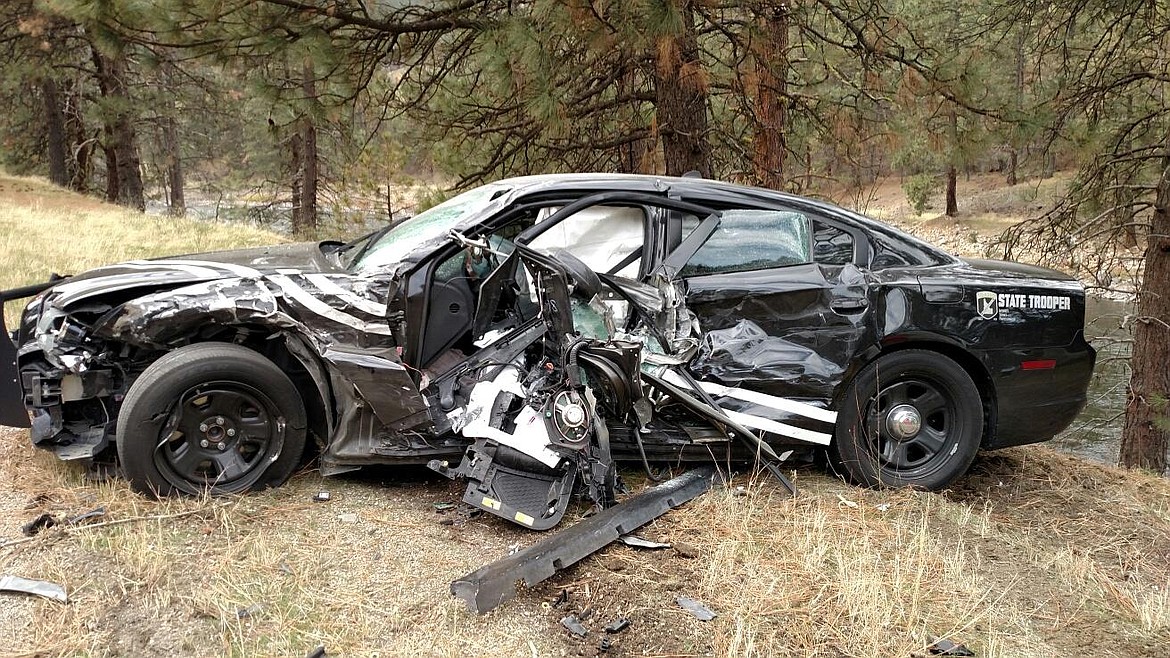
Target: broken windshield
[(395, 242)]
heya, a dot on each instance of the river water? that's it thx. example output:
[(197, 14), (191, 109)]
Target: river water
[(1096, 433)]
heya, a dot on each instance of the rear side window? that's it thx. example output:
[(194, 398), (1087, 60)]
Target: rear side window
[(748, 240), (831, 245)]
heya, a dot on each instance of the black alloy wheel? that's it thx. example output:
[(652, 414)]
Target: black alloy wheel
[(910, 419), (210, 417)]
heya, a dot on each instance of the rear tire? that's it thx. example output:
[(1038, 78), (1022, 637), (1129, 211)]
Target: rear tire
[(210, 417), (909, 419)]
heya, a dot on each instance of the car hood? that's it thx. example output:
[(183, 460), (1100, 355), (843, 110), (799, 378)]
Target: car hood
[(176, 271)]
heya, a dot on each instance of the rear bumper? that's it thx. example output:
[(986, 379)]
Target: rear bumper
[(1036, 405)]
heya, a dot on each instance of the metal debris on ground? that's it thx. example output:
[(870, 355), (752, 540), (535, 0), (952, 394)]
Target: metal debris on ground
[(700, 611), (46, 521), (35, 587), (945, 647), (561, 599), (639, 542), (42, 522), (604, 645), (244, 613), (321, 497), (575, 626), (618, 625), (489, 586), (94, 513), (443, 507)]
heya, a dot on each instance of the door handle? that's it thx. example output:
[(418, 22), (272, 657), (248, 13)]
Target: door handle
[(847, 305)]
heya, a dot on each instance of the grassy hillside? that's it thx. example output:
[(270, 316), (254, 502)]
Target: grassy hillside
[(46, 229), (1033, 554)]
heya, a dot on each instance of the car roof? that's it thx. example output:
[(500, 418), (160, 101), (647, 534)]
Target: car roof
[(524, 185)]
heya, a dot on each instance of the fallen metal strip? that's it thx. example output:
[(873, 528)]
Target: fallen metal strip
[(489, 586)]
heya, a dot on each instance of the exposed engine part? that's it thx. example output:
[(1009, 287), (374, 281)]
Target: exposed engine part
[(569, 419)]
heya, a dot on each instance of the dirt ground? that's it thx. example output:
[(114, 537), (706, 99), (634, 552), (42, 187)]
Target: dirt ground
[(1033, 554)]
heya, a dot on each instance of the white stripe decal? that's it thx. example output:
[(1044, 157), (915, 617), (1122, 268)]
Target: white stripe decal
[(782, 404), (238, 270), (189, 268), (319, 307), (799, 433), (325, 284)]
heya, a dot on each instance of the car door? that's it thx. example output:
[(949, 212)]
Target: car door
[(781, 300)]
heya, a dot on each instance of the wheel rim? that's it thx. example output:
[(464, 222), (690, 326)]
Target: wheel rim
[(913, 424), (219, 435)]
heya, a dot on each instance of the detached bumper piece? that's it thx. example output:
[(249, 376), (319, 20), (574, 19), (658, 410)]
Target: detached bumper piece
[(12, 411), (491, 585)]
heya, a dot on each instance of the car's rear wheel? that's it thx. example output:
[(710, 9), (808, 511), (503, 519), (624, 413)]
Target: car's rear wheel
[(909, 419), (210, 417)]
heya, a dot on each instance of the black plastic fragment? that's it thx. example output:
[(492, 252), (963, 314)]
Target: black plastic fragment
[(319, 652), (489, 586), (561, 599), (618, 625), (42, 522), (86, 516), (575, 626)]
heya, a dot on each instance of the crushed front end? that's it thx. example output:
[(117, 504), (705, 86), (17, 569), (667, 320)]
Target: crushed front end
[(67, 379)]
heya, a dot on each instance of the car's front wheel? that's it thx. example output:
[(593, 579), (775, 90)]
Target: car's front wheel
[(909, 419), (210, 417)]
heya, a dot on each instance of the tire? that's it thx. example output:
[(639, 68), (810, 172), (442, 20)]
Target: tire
[(210, 417), (877, 451)]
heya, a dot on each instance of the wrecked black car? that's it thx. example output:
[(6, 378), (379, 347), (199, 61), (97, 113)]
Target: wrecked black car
[(528, 334)]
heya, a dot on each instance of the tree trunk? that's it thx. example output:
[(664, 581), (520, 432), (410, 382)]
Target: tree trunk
[(306, 221), (55, 130), (111, 171), (770, 59), (1146, 435), (297, 200), (172, 147), (81, 143), (952, 196), (681, 99), (120, 136), (177, 204), (1014, 156)]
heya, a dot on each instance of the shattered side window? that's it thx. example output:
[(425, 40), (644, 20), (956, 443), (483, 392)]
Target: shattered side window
[(749, 240), (400, 240)]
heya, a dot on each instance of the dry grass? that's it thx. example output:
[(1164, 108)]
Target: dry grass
[(1033, 554), (44, 229)]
